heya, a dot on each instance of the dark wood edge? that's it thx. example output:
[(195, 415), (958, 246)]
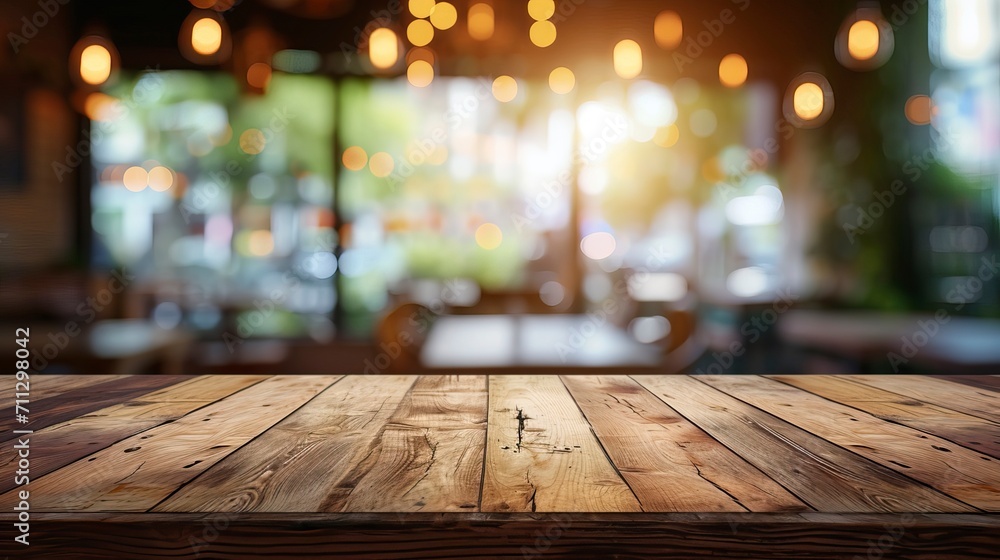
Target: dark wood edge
[(466, 535)]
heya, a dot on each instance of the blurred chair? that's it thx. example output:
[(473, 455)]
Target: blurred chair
[(400, 336), (682, 347)]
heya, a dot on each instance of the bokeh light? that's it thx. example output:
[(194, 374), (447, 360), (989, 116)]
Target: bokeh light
[(381, 164), (598, 246), (863, 40), (421, 8), (206, 36), (252, 141), (541, 10), (444, 15), (628, 59), (808, 101), (562, 80), (383, 48), (160, 178), (481, 21), (542, 33), (668, 29), (919, 110), (504, 89), (259, 75), (95, 64), (135, 178), (355, 158), (733, 70), (420, 32), (489, 236), (420, 73)]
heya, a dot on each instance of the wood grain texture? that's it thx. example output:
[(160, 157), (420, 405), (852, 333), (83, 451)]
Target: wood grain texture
[(947, 394), (988, 382), (669, 463), (140, 471), (77, 402), (530, 537), (541, 454), (827, 477), (320, 443), (49, 385), (970, 431), (964, 474), (429, 457), (68, 441)]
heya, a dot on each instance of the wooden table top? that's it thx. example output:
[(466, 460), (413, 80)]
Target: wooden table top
[(117, 453)]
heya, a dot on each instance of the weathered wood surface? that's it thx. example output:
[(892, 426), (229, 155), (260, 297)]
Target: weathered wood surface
[(439, 466), (541, 454), (959, 472)]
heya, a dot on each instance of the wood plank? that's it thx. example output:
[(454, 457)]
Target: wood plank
[(964, 474), (670, 464), (541, 454), (320, 443), (229, 536), (970, 431), (77, 402), (44, 385), (980, 381), (138, 472), (74, 439), (973, 401), (827, 477), (429, 457)]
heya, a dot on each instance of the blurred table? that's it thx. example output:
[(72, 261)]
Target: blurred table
[(128, 346), (535, 342), (960, 343)]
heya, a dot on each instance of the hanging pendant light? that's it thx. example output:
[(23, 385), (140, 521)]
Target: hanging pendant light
[(204, 38), (865, 40), (93, 61)]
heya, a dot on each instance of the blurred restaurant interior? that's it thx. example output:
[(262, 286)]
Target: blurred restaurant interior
[(337, 186)]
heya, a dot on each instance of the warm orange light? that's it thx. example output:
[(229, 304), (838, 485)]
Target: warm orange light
[(562, 80), (481, 21), (489, 236), (421, 8), (504, 89), (206, 36), (541, 10), (381, 164), (628, 59), (260, 243), (95, 64), (542, 33), (355, 158), (101, 107), (420, 73), (160, 178), (919, 110), (808, 101), (420, 32), (863, 40), (733, 70), (444, 15), (252, 141), (383, 48), (135, 178), (666, 137), (668, 29), (259, 75)]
